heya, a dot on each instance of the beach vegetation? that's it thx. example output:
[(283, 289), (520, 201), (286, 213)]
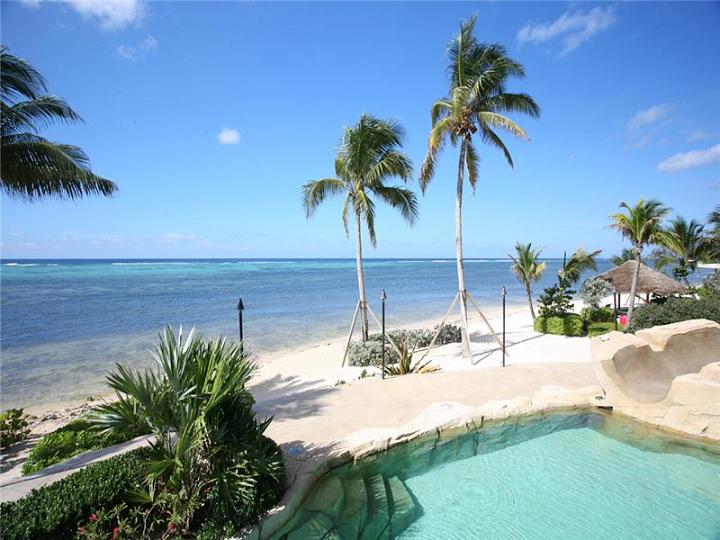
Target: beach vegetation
[(32, 166), (676, 310), (594, 290), (368, 157), (597, 314), (684, 244), (712, 238), (212, 468), (72, 439), (580, 261), (369, 353), (404, 364), (625, 255), (710, 287), (556, 301), (566, 324), (477, 103), (641, 224), (526, 266), (14, 427), (57, 510), (599, 328)]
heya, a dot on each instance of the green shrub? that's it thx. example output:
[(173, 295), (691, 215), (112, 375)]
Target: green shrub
[(14, 427), (675, 310), (570, 324), (600, 328), (56, 510), (591, 314), (710, 289), (70, 440), (369, 353)]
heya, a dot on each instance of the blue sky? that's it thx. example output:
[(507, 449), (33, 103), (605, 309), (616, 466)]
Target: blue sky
[(211, 115)]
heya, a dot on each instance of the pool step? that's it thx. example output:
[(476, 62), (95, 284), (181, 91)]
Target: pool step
[(378, 509), (403, 506), (318, 527), (354, 513)]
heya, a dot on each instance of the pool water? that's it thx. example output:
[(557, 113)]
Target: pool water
[(587, 476)]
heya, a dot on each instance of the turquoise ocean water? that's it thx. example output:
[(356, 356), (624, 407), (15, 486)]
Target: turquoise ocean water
[(63, 323)]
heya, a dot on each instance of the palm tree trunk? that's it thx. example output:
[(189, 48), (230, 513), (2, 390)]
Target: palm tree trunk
[(459, 250), (529, 295), (361, 277), (633, 285)]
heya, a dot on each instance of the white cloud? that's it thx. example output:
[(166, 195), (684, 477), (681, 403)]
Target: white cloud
[(571, 28), (690, 160), (228, 136), (135, 52), (648, 116), (111, 14)]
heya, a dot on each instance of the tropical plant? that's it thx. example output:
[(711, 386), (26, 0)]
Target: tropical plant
[(404, 365), (368, 156), (685, 242), (476, 103), (527, 268), (210, 456), (641, 225), (676, 310), (579, 262), (14, 427), (627, 254), (567, 324), (33, 167), (594, 290), (556, 301), (713, 236)]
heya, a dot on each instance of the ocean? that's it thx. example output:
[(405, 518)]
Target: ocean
[(65, 323)]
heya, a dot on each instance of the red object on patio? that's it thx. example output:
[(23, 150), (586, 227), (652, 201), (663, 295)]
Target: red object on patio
[(623, 319)]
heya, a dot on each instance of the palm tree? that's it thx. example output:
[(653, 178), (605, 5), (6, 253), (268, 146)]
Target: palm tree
[(627, 254), (641, 224), (33, 167), (685, 242), (579, 262), (712, 240), (527, 268), (475, 103), (369, 155)]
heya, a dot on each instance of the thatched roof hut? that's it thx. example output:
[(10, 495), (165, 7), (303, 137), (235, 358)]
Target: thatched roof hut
[(649, 281)]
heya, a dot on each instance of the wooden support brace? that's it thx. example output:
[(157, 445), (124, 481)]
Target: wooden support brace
[(492, 330), (350, 334), (440, 326)]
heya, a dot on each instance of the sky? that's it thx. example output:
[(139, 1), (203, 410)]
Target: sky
[(210, 116)]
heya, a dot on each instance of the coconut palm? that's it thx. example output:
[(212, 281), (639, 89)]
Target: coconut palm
[(712, 240), (32, 166), (527, 268), (475, 104), (627, 254), (641, 224), (368, 156), (579, 262), (685, 243)]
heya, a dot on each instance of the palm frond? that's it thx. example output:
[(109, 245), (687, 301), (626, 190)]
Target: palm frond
[(19, 79), (315, 192), (472, 159), (401, 199), (35, 115)]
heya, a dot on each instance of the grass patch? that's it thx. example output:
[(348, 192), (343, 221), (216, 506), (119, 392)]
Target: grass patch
[(600, 328)]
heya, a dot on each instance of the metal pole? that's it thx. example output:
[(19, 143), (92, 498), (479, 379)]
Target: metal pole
[(504, 293), (383, 297), (240, 308)]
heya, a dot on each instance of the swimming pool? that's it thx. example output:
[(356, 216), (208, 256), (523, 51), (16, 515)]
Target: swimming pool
[(559, 476)]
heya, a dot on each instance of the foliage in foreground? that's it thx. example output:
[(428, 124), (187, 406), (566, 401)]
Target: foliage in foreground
[(594, 290), (556, 301), (369, 353), (212, 468), (676, 310), (14, 427), (73, 439), (56, 510)]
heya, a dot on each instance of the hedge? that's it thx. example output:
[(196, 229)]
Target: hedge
[(570, 324), (675, 310), (55, 510), (602, 314)]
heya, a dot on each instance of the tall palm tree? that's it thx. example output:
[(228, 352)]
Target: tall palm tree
[(33, 167), (527, 268), (641, 224), (712, 239), (368, 156), (475, 104), (579, 262), (685, 242)]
